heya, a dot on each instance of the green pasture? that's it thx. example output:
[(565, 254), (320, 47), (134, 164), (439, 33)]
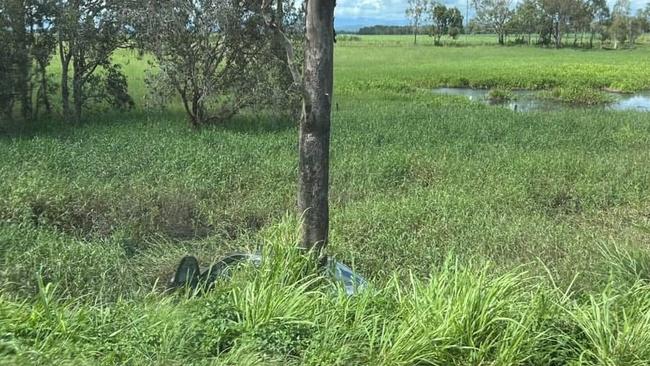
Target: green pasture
[(490, 237), (424, 66)]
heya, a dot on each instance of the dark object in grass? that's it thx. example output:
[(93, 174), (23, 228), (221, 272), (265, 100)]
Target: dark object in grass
[(188, 273)]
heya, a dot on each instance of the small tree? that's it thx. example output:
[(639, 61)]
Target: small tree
[(7, 72), (43, 15), (439, 22), (454, 22), (416, 10), (621, 28), (17, 42), (88, 32), (560, 14), (527, 18), (600, 16), (445, 21), (494, 15), (217, 55)]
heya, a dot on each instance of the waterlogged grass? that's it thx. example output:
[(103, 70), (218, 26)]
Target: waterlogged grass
[(488, 236), (500, 95), (404, 66), (577, 96)]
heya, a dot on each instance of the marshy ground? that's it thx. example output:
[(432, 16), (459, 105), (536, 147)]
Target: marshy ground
[(489, 236)]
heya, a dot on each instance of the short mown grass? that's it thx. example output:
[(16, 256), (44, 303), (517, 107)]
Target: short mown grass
[(488, 236)]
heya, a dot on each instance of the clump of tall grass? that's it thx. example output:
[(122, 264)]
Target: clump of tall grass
[(286, 312), (500, 95), (578, 95), (626, 265)]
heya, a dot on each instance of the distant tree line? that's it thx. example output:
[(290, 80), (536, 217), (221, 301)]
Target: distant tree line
[(385, 30), (557, 23), (560, 23), (216, 56)]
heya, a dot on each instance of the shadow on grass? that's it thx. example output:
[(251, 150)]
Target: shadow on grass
[(55, 126)]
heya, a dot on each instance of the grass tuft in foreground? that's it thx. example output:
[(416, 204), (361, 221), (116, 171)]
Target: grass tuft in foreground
[(285, 313)]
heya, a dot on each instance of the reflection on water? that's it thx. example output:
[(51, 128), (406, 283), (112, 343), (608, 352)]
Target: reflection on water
[(530, 101), (633, 102)]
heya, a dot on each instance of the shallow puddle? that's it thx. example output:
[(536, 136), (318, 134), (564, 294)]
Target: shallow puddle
[(526, 101)]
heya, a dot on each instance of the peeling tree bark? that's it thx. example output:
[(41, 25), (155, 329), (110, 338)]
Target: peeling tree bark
[(313, 180)]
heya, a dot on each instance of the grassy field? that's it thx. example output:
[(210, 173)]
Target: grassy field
[(400, 66), (489, 236)]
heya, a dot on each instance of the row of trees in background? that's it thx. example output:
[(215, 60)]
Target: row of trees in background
[(435, 18), (385, 30), (218, 56), (544, 22), (553, 22)]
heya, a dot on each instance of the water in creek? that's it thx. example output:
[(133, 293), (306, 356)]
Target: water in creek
[(526, 100)]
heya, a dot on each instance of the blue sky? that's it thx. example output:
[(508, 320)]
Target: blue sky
[(363, 12)]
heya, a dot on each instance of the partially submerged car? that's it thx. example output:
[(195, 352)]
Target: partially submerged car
[(189, 274)]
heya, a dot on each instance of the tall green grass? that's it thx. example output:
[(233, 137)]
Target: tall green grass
[(280, 314), (394, 68), (489, 236)]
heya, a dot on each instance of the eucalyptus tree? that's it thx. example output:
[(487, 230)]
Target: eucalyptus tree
[(527, 18), (7, 64), (445, 21), (316, 86), (217, 56), (600, 16), (557, 14), (25, 28), (42, 17), (621, 28), (17, 43), (314, 141), (417, 12), (439, 22), (494, 15), (88, 32), (454, 22)]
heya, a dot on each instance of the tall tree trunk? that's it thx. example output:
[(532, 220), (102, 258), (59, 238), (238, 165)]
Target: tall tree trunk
[(65, 87), (77, 86), (23, 63), (415, 33), (313, 179), (286, 78), (278, 20), (44, 97), (279, 14)]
